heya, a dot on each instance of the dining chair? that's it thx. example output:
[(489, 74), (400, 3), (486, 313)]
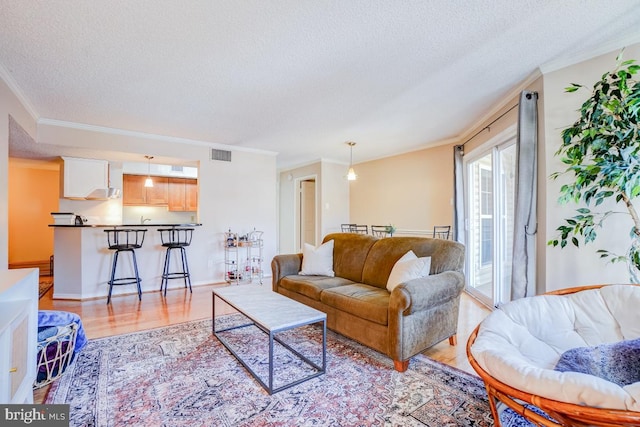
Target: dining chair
[(361, 229), (380, 230), (441, 231), (348, 228)]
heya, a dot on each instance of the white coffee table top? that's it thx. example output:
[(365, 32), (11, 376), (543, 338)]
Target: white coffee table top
[(272, 311)]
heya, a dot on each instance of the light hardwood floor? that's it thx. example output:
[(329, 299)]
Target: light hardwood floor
[(126, 314)]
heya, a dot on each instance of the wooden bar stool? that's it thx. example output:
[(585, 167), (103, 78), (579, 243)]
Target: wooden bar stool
[(175, 238), (125, 240)]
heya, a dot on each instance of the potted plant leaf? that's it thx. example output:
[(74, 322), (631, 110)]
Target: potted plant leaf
[(601, 151), (390, 229)]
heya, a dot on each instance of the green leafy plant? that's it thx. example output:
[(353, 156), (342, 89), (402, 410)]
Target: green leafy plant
[(390, 229), (601, 151)]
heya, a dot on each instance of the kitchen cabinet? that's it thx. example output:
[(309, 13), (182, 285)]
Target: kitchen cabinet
[(135, 193), (183, 194), (158, 194), (79, 177), (18, 334)]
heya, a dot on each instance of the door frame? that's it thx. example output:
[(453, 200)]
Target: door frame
[(296, 209), (492, 146)]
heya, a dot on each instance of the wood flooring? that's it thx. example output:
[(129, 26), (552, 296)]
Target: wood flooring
[(126, 314)]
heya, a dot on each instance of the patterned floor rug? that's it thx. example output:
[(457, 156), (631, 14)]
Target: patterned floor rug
[(44, 286), (182, 375)]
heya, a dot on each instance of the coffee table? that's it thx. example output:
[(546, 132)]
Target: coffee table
[(272, 313)]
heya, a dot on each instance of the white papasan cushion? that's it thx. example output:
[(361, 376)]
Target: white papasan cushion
[(520, 343)]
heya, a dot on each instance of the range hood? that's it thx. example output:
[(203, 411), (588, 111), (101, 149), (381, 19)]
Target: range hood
[(103, 194)]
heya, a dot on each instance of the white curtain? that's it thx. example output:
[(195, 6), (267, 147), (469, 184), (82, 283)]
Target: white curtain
[(525, 220)]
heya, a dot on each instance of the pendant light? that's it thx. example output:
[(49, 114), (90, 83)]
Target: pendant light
[(351, 175), (148, 182)]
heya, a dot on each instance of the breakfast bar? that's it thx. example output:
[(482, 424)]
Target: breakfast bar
[(82, 260)]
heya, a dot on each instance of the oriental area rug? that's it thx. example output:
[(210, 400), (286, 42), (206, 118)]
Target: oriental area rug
[(44, 285), (181, 375)]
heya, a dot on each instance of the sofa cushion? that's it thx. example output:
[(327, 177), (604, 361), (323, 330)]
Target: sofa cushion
[(445, 255), (349, 253), (317, 261), (367, 302), (311, 286), (408, 267)]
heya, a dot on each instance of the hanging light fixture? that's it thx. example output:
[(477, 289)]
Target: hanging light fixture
[(351, 175), (148, 182)]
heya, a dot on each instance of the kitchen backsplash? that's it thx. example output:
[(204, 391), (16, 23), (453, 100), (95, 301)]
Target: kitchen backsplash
[(155, 215)]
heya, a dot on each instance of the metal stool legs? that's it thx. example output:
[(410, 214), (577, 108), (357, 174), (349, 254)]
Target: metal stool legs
[(124, 280), (184, 274)]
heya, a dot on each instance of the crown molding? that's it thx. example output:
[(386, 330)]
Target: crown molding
[(611, 46), (506, 100), (17, 91), (145, 135)]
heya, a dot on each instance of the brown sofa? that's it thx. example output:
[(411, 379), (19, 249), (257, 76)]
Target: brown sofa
[(414, 316)]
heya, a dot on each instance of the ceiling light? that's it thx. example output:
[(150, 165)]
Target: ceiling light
[(148, 182), (351, 175)]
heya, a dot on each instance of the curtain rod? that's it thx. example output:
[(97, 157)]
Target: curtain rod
[(489, 125)]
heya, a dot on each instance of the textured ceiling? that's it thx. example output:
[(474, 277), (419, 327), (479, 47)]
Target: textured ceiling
[(298, 77)]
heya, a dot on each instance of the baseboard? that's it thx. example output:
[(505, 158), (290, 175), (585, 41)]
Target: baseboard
[(43, 265)]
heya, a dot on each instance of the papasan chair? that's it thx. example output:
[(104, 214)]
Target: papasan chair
[(566, 358)]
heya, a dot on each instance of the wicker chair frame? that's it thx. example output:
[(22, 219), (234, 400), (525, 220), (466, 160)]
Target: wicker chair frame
[(563, 414)]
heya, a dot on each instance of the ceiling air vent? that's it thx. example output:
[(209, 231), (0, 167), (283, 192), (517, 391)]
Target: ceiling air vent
[(222, 155)]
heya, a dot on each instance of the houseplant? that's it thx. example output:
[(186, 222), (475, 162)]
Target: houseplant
[(390, 229), (602, 153)]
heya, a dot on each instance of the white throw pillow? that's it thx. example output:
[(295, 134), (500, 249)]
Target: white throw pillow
[(408, 267), (317, 261)]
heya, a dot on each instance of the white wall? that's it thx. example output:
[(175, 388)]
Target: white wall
[(332, 198), (571, 266), (287, 204), (240, 194)]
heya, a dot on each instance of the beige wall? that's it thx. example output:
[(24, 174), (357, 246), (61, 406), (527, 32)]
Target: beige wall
[(386, 186), (33, 195), (571, 266), (411, 191)]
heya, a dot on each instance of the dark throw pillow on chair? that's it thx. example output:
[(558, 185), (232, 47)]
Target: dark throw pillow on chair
[(618, 363)]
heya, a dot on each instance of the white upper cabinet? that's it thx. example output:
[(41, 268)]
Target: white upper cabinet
[(82, 176)]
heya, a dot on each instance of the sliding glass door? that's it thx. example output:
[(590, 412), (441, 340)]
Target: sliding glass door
[(490, 193)]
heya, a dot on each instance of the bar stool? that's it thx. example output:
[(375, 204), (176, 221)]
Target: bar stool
[(125, 240), (175, 238)]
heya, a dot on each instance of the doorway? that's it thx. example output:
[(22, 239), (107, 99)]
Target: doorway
[(306, 212), (33, 193), (490, 182)]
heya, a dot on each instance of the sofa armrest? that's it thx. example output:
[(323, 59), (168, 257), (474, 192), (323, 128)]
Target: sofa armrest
[(284, 265), (426, 292)]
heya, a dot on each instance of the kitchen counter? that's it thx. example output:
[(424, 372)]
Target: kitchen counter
[(82, 260), (125, 225)]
